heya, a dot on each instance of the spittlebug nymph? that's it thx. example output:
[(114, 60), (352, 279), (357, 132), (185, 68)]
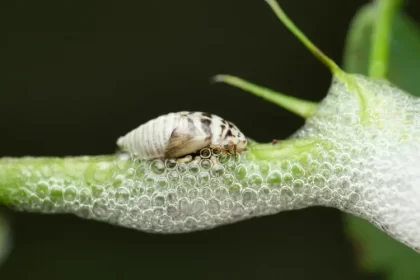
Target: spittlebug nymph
[(179, 134)]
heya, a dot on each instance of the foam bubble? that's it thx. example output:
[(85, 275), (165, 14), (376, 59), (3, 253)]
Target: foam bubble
[(369, 169)]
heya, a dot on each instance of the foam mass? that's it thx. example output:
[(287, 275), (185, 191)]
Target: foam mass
[(369, 167)]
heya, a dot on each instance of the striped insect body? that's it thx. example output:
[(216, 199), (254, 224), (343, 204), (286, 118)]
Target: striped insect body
[(180, 134)]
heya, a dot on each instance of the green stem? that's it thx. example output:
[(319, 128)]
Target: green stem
[(294, 149), (300, 107), (49, 184), (38, 173), (356, 40), (379, 55), (303, 39)]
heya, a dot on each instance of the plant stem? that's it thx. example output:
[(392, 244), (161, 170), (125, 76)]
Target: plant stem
[(33, 172), (28, 182), (379, 55), (290, 148), (356, 41), (281, 15), (300, 107)]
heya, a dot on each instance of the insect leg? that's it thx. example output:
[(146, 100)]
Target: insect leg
[(185, 159), (214, 160), (196, 159)]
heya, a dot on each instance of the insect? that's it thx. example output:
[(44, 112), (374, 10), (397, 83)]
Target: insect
[(180, 134)]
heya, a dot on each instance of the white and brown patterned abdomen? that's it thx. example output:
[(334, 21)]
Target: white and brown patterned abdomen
[(150, 139)]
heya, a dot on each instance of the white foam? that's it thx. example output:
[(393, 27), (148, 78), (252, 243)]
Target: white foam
[(371, 170)]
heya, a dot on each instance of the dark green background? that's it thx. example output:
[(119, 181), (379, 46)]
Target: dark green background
[(78, 74)]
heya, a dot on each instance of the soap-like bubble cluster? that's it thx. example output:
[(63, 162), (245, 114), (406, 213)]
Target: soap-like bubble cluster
[(172, 196), (369, 167), (381, 148)]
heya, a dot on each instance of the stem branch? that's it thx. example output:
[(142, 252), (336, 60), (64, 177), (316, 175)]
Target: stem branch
[(379, 54), (300, 107)]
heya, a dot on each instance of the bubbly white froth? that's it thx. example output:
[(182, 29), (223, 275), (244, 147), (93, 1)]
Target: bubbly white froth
[(372, 169), (384, 156)]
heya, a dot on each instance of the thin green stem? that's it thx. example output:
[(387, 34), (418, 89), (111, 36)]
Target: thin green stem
[(348, 79), (302, 37), (300, 107), (379, 55)]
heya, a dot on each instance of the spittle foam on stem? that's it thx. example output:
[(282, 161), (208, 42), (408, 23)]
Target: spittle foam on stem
[(359, 151)]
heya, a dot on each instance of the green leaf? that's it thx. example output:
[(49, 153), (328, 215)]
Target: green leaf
[(378, 253), (404, 54)]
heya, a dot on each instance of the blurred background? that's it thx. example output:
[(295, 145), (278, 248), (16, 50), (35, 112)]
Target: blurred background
[(79, 74)]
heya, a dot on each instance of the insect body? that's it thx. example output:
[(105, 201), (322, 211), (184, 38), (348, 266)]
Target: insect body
[(178, 134)]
